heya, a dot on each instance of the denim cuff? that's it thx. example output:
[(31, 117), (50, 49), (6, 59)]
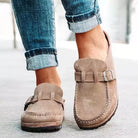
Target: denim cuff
[(41, 58), (41, 61), (83, 23)]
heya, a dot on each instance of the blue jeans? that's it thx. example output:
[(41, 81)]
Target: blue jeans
[(36, 23)]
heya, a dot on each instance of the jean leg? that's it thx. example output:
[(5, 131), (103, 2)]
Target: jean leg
[(82, 15), (36, 24)]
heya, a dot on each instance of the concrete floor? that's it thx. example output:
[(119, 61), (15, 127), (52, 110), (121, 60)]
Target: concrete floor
[(17, 84)]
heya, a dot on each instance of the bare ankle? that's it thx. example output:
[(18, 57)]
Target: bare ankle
[(92, 44), (48, 75)]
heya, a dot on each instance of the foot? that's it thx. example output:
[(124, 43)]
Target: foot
[(92, 44), (44, 110), (95, 92)]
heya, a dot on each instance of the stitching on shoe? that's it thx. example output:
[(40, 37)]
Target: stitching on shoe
[(46, 114), (88, 122), (91, 121), (100, 116)]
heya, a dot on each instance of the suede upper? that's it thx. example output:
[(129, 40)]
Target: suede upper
[(95, 92), (46, 105)]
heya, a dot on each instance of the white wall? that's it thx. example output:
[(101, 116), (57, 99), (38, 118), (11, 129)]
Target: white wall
[(114, 16), (134, 22)]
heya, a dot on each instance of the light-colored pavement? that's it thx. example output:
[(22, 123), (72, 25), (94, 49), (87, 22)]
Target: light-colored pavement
[(17, 84)]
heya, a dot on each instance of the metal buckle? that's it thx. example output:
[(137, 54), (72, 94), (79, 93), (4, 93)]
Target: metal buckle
[(105, 75)]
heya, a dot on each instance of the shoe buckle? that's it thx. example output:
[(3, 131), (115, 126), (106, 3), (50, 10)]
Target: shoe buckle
[(105, 75)]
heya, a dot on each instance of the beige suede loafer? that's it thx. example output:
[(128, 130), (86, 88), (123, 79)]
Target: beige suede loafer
[(45, 110), (96, 92)]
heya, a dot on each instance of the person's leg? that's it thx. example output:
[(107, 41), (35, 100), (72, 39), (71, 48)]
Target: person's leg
[(95, 92), (35, 20), (84, 19), (44, 110), (49, 75)]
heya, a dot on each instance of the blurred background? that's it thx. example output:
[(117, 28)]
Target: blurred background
[(120, 19)]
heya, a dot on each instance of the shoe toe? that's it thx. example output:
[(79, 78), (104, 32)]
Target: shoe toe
[(42, 112)]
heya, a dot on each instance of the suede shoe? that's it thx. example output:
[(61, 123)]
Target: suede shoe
[(95, 92), (44, 110)]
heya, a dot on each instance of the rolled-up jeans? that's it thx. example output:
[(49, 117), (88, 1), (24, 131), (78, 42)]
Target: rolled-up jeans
[(36, 23)]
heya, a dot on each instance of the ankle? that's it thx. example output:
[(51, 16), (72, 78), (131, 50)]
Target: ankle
[(48, 75), (52, 81), (92, 44)]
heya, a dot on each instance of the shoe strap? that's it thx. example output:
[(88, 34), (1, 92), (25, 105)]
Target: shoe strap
[(108, 75), (51, 96)]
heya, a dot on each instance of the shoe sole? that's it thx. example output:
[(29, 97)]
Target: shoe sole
[(41, 129), (91, 128)]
